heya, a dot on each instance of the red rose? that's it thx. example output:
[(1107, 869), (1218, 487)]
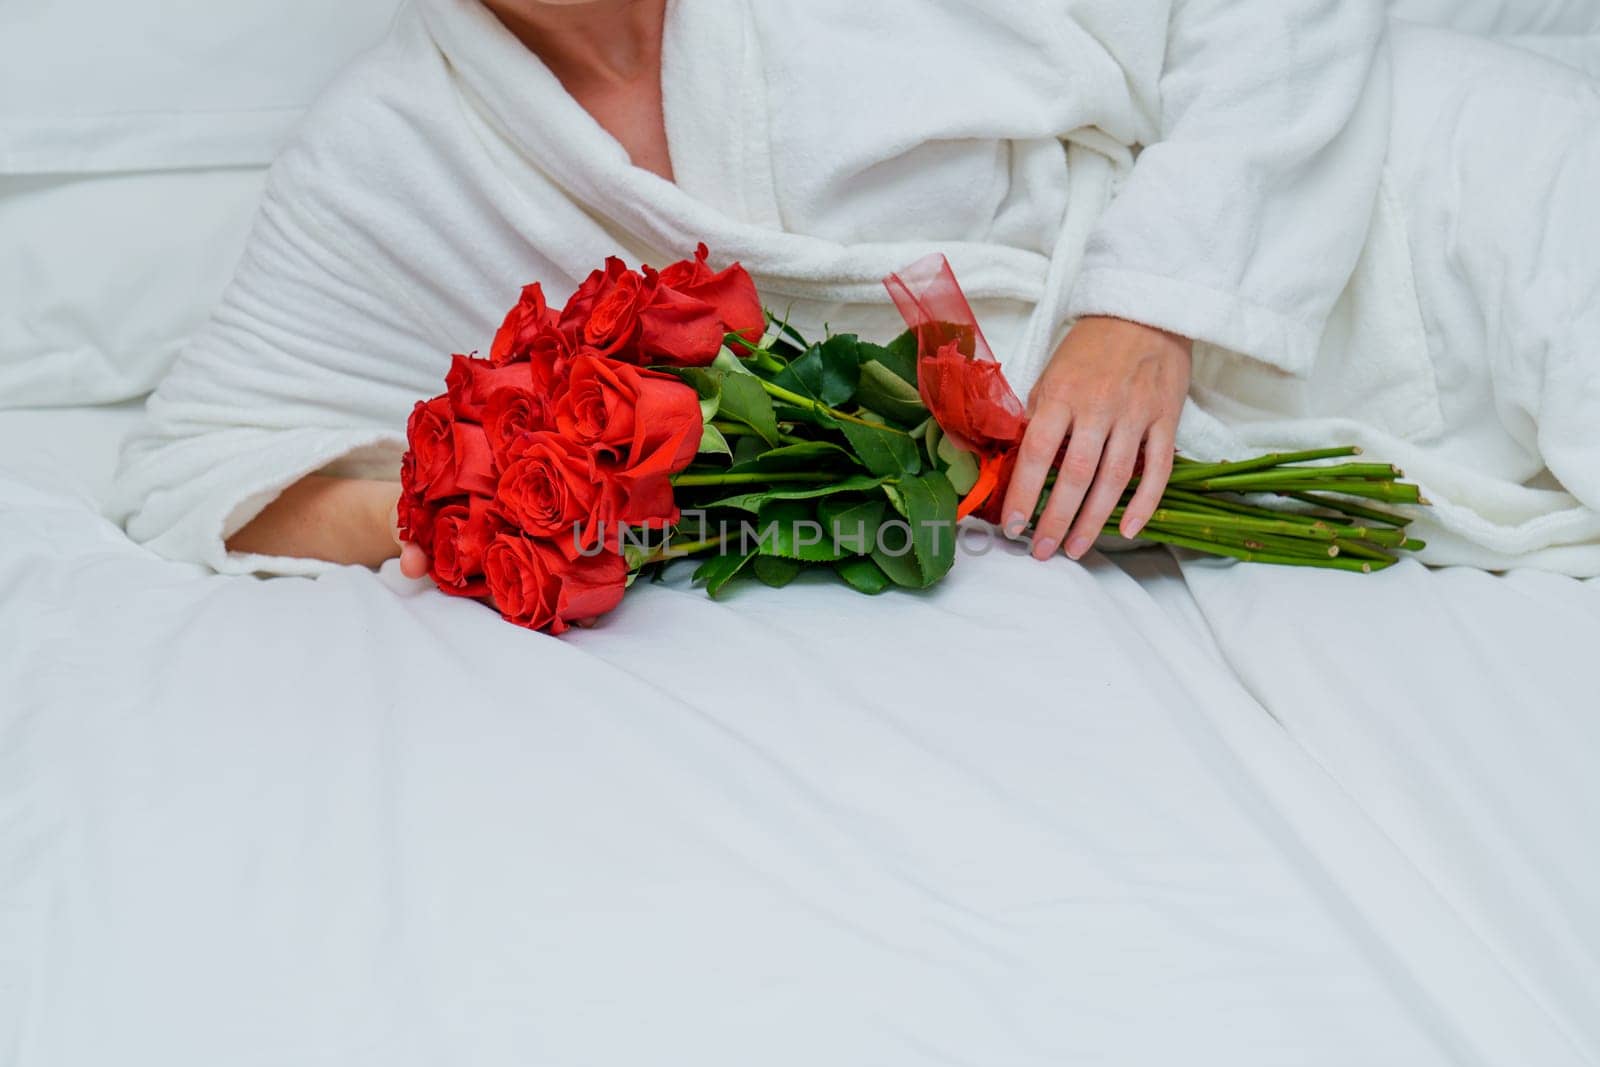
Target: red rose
[(552, 489), (430, 434), (461, 534), (474, 470), (472, 381), (635, 498), (613, 326), (447, 457), (731, 292), (413, 514), (525, 327), (648, 419), (678, 317), (604, 313), (679, 330), (582, 301), (535, 584), (646, 427), (510, 418)]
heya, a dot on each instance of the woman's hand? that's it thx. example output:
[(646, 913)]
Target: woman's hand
[(341, 520), (1114, 388)]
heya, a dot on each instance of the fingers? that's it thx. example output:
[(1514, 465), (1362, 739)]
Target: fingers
[(1116, 470), (1040, 446), (413, 561), (1077, 473), (1158, 450)]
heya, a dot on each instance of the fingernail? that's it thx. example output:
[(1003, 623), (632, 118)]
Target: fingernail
[(1015, 525), (1078, 546), (1130, 530), (1045, 548)]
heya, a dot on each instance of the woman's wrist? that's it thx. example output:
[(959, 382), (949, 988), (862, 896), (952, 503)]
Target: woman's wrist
[(341, 520), (383, 530)]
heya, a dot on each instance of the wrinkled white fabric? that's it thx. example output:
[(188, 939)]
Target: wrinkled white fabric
[(1297, 817), (351, 821), (1213, 168)]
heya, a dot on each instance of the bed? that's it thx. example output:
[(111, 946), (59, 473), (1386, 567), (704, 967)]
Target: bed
[(1147, 810)]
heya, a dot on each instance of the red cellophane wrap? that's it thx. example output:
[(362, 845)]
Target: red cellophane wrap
[(959, 378)]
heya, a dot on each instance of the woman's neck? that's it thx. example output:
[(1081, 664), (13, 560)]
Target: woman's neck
[(607, 54), (589, 43)]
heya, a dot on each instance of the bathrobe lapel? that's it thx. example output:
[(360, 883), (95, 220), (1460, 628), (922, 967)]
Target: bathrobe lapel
[(725, 196)]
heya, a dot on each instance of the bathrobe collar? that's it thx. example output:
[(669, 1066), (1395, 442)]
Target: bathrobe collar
[(716, 104)]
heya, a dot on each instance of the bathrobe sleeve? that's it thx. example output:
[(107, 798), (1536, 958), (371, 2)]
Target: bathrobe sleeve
[(1243, 219), (308, 361)]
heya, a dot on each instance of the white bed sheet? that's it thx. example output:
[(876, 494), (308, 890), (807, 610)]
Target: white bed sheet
[(1051, 814)]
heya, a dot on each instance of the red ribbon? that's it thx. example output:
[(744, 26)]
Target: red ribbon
[(960, 380)]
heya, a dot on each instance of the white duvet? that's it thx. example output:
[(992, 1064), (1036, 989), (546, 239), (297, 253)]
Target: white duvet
[(1047, 814)]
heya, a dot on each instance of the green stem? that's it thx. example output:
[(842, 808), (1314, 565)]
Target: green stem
[(674, 551), (1282, 483), (1383, 535), (1352, 509), (739, 429), (1249, 555), (1299, 547), (1363, 550), (669, 551), (1379, 472), (1189, 469), (778, 392), (1246, 524), (750, 478), (1230, 507)]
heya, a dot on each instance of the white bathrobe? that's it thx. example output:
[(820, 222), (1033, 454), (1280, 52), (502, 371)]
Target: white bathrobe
[(1213, 167)]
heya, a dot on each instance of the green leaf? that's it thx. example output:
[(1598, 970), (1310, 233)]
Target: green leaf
[(808, 455), (892, 491), (852, 525), (899, 568), (746, 449), (889, 395), (753, 501), (712, 443), (828, 372), (899, 355), (743, 400), (728, 362), (788, 331), (883, 451), (919, 549), (961, 466), (776, 571), (706, 384), (931, 505), (791, 529), (718, 571), (863, 575)]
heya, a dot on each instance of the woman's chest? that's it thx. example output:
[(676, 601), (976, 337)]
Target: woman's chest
[(631, 112)]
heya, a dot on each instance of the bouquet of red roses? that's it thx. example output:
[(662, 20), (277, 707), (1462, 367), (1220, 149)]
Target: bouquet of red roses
[(658, 416)]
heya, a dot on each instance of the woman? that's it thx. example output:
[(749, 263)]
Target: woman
[(1142, 200)]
